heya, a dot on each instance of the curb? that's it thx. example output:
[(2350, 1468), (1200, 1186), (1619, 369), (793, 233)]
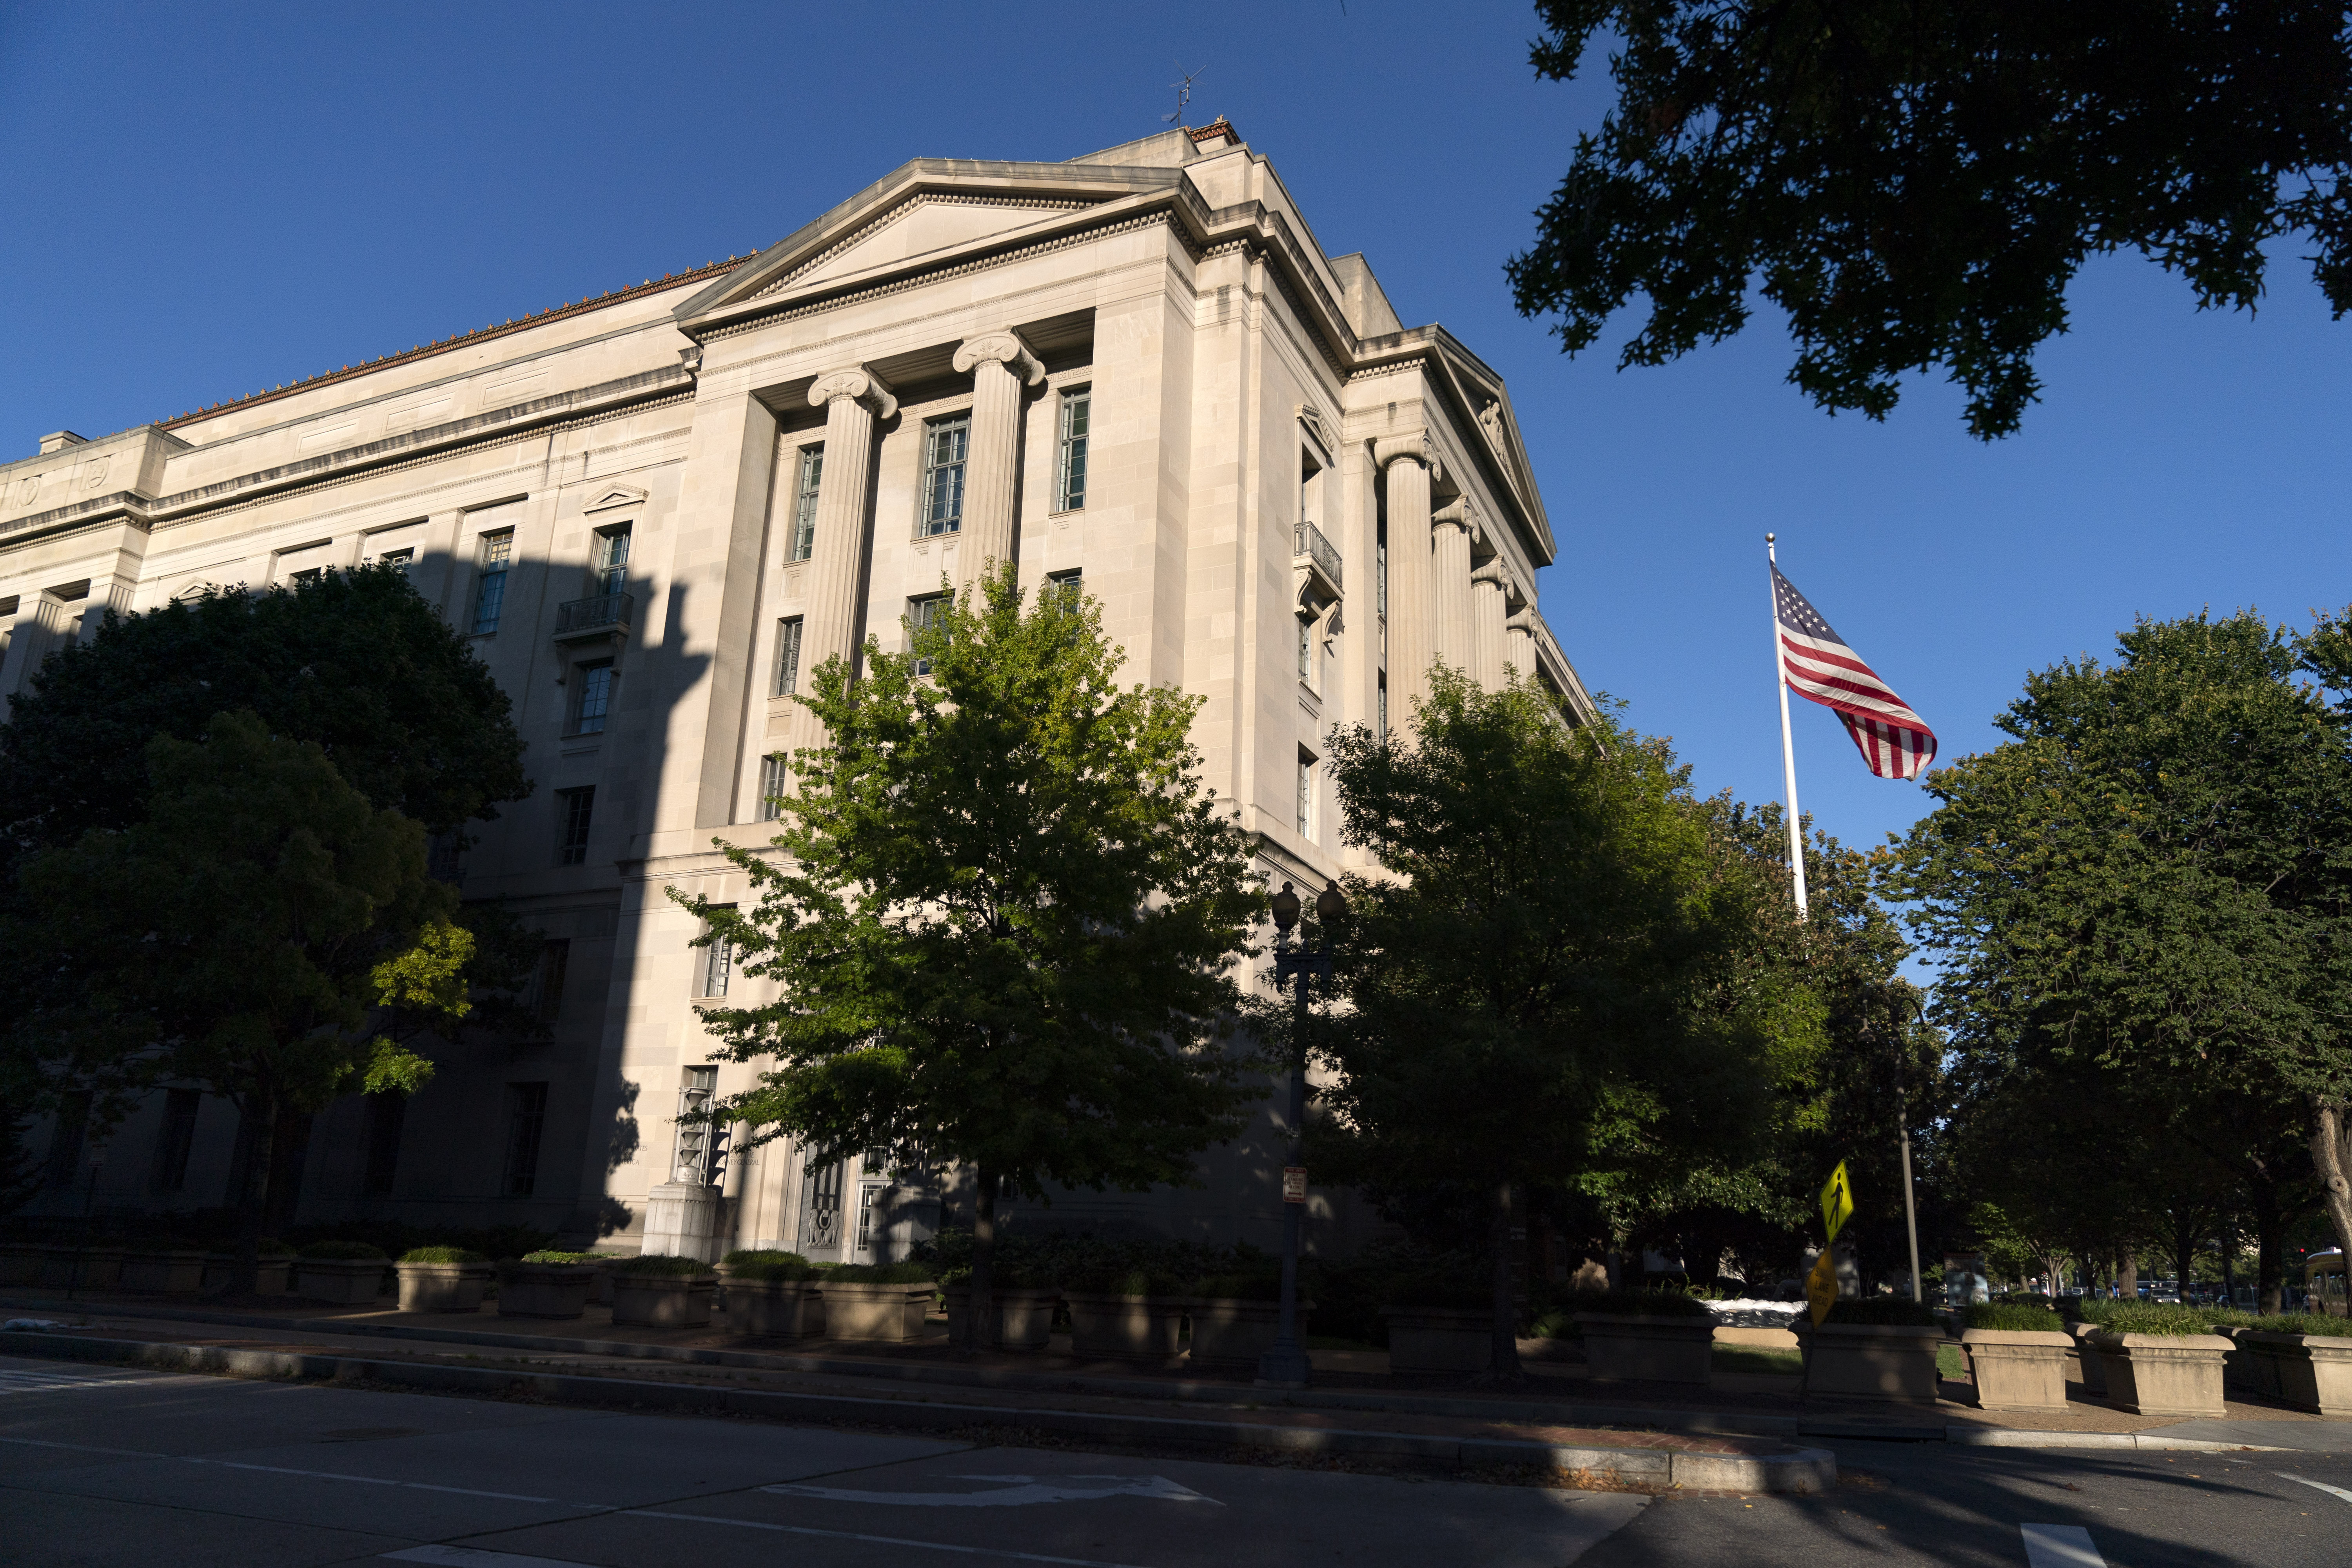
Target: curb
[(1806, 1470), (2018, 1437)]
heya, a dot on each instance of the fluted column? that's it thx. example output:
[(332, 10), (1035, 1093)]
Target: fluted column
[(1457, 530), (1001, 365), (853, 400), (1410, 462), (1520, 641), (1491, 591)]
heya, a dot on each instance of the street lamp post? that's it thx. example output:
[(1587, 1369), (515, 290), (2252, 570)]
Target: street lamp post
[(1285, 1365)]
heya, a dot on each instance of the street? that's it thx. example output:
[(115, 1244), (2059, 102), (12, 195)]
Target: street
[(99, 1467)]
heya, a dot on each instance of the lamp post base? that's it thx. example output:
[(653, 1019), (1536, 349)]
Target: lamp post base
[(1284, 1366)]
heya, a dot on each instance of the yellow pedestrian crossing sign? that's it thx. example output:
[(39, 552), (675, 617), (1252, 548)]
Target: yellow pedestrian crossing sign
[(1821, 1285), (1837, 1201)]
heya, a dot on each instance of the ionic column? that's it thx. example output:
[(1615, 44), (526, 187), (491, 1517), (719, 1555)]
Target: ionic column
[(1409, 461), (1520, 641), (1000, 365), (853, 400), (1457, 530), (1491, 591)]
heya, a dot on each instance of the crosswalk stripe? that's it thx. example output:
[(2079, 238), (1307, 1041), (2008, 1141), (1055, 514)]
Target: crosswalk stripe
[(2060, 1546)]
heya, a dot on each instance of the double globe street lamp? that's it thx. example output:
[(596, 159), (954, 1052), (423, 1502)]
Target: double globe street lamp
[(1285, 1365)]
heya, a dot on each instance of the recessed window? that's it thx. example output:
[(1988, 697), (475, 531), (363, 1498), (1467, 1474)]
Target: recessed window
[(611, 572), (1070, 469), (490, 582), (1383, 732), (387, 1118), (717, 964), (547, 981), (402, 558), (574, 810), (1307, 651), (1069, 586), (946, 446), (1306, 793), (774, 772), (812, 478), (309, 576), (525, 1121), (177, 1135), (591, 700), (788, 656), (921, 616)]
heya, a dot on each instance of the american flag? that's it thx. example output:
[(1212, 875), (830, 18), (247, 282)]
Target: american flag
[(1895, 741)]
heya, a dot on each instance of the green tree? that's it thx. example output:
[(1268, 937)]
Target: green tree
[(1545, 985), (1005, 917), (242, 934), (2149, 877), (1915, 183)]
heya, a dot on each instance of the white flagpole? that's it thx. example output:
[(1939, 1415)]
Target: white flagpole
[(1788, 752)]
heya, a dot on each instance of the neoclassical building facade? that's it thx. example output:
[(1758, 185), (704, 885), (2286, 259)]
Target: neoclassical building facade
[(654, 511)]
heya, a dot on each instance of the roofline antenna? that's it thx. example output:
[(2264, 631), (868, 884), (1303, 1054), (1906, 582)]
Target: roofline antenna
[(1183, 93)]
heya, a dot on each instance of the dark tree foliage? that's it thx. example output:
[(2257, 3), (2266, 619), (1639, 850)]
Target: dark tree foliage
[(357, 663), (1915, 181)]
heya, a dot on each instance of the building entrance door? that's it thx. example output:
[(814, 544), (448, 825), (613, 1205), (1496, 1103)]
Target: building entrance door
[(873, 1225), (820, 1229)]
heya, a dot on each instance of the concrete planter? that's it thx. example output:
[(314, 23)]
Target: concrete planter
[(662, 1300), (2245, 1368), (164, 1273), (2164, 1375), (2095, 1370), (74, 1268), (2018, 1369), (1228, 1336), (2310, 1372), (346, 1282), (271, 1276), (1873, 1360), (891, 1314), (444, 1287), (545, 1290), (1125, 1328), (1621, 1347), (1440, 1338), (1024, 1316), (778, 1309)]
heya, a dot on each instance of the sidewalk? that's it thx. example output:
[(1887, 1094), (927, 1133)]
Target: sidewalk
[(1557, 1416)]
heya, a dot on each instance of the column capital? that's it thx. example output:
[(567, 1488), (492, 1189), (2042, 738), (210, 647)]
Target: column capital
[(1496, 570), (1416, 446), (858, 383), (1460, 512), (1004, 349)]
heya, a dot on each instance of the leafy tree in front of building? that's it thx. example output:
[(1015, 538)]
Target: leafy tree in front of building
[(1915, 185), (1549, 985), (243, 934), (1003, 919)]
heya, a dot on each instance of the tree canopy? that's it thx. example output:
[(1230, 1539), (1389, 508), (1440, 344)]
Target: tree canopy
[(1915, 183), (1003, 918)]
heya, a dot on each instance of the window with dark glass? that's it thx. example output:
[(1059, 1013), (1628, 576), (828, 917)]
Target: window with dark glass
[(921, 616), (526, 1119), (1070, 474), (591, 700), (547, 981), (573, 809), (490, 580), (811, 481), (788, 656), (612, 563), (1071, 585), (717, 964), (174, 1140), (387, 1118), (946, 444), (774, 772)]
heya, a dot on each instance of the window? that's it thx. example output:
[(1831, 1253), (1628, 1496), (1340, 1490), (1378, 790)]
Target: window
[(804, 502), (1306, 793), (526, 1119), (546, 980), (1070, 585), (946, 445), (788, 656), (1307, 651), (592, 697), (1070, 472), (612, 564), (1310, 488), (387, 1116), (1381, 584), (310, 576), (717, 964), (490, 585), (65, 1135), (404, 559), (774, 770), (179, 1132), (1384, 707), (921, 616), (573, 807)]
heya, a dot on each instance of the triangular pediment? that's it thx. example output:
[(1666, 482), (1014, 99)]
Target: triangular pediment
[(921, 228), (612, 496)]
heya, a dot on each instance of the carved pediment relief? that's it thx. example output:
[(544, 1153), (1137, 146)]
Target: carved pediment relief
[(614, 495), (921, 225)]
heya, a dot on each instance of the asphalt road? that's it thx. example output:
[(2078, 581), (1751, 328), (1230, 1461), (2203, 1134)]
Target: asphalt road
[(105, 1467)]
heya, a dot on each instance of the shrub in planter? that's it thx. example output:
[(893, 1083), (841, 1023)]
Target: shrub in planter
[(273, 1272), (443, 1279), (548, 1283), (2299, 1358), (1440, 1324), (881, 1302), (661, 1292), (1880, 1347), (1126, 1314), (1236, 1318), (2017, 1355), (1646, 1336), (164, 1268), (2158, 1360), (772, 1293), (1024, 1303), (349, 1273)]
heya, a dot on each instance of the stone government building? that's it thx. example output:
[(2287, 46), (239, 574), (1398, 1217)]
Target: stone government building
[(654, 511)]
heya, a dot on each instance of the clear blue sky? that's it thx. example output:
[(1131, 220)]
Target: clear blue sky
[(204, 201)]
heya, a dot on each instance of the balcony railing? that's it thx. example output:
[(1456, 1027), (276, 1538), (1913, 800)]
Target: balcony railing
[(1319, 550), (599, 615)]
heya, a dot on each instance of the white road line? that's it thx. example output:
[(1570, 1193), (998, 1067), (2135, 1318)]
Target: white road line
[(44, 1382), (2060, 1546), (876, 1540), (2323, 1486), (474, 1557), (86, 1449), (283, 1470)]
